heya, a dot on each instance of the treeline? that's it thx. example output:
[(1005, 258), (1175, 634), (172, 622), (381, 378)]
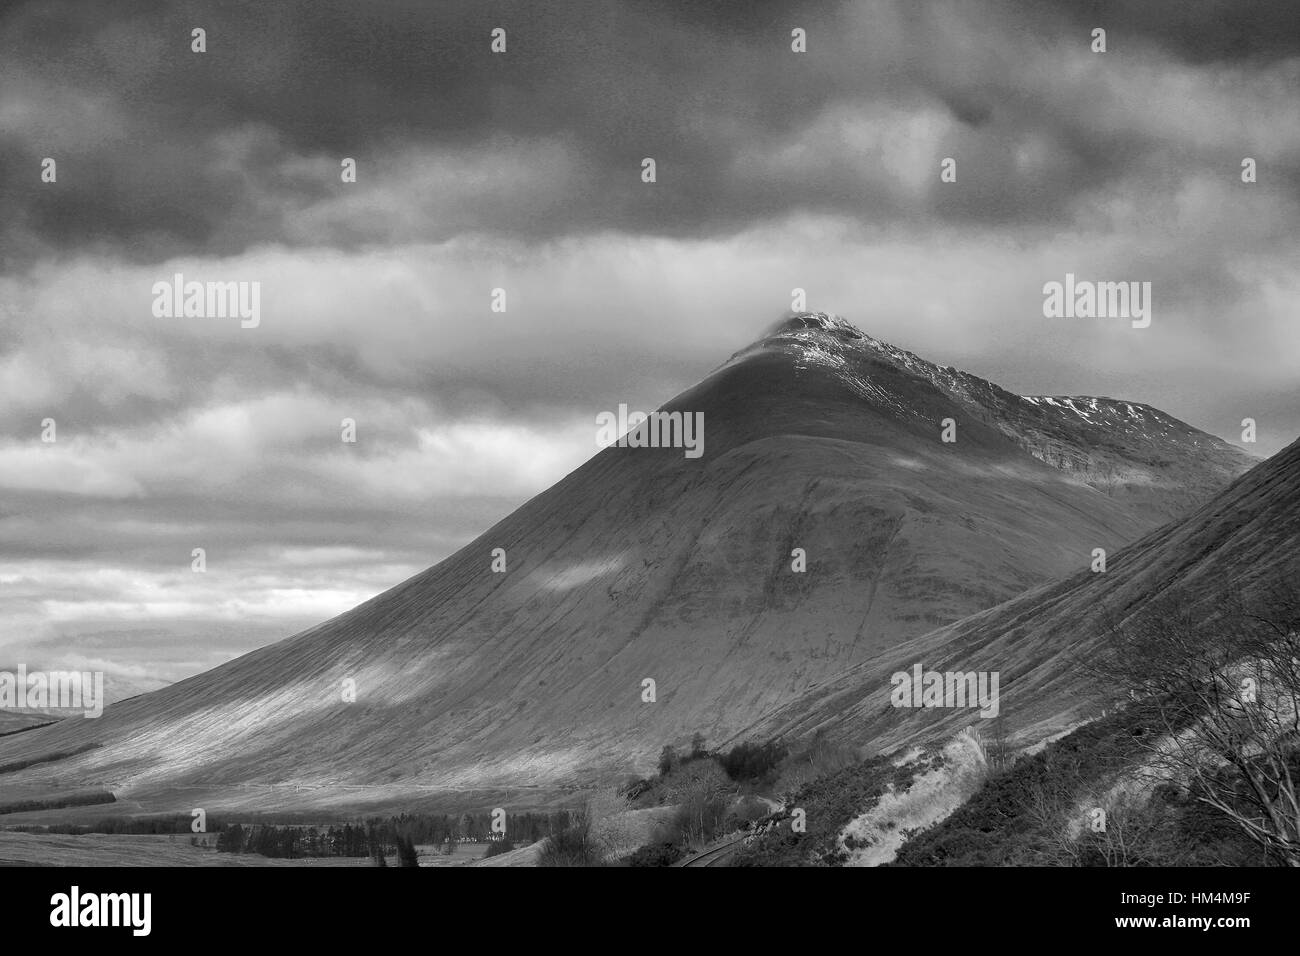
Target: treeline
[(45, 758), (133, 826), (296, 842), (521, 828), (58, 803), (377, 838), (23, 730), (372, 838)]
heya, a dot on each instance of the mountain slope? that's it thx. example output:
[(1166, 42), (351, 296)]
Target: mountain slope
[(1245, 539), (645, 564)]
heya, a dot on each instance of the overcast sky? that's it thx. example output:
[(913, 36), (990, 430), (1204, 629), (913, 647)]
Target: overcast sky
[(522, 170)]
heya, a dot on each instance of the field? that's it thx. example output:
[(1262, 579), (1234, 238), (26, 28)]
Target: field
[(99, 849)]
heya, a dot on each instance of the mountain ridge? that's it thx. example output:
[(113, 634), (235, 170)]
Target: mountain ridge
[(1113, 455)]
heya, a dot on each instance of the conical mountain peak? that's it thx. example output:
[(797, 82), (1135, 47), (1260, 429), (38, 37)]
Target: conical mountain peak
[(822, 442), (815, 322)]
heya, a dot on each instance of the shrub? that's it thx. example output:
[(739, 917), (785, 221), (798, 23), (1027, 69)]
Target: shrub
[(667, 760), (745, 811), (750, 761), (574, 845), (656, 854)]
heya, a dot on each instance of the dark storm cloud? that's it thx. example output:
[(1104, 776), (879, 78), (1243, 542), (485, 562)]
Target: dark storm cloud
[(162, 151), (332, 79), (1198, 31)]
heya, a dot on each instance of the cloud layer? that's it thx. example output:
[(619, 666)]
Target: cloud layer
[(522, 171)]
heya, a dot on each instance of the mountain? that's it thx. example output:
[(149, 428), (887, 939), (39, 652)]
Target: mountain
[(1245, 540), (646, 564)]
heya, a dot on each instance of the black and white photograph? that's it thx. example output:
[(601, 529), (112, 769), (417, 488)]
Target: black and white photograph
[(650, 433)]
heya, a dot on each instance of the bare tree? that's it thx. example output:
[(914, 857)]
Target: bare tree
[(1047, 801), (702, 812), (1050, 815), (1224, 694), (1126, 827)]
